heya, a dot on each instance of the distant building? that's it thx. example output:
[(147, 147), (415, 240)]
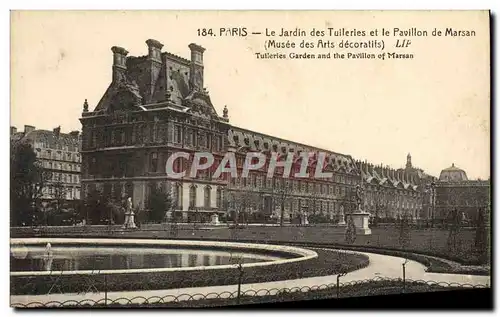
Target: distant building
[(58, 153), (391, 193), (455, 191)]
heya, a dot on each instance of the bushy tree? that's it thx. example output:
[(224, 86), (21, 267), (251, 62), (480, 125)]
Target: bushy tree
[(159, 202), (350, 231), (95, 207), (27, 181)]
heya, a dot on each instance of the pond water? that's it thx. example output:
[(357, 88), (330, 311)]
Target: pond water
[(23, 259)]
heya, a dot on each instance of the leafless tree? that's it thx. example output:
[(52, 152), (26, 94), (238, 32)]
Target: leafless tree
[(60, 191), (282, 189), (241, 201)]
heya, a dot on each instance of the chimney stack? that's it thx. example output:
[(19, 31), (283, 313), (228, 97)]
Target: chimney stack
[(154, 67), (119, 63), (74, 133), (196, 70), (57, 131), (154, 50), (28, 129), (13, 130)]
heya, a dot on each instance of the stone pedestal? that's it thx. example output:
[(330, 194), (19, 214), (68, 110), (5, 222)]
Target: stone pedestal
[(341, 220), (214, 219), (169, 215), (129, 221), (361, 223)]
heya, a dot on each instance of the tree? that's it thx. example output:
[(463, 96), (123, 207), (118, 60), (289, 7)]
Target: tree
[(404, 231), (350, 231), (241, 201), (454, 228), (159, 202), (95, 207), (282, 193), (27, 181), (480, 241), (60, 192)]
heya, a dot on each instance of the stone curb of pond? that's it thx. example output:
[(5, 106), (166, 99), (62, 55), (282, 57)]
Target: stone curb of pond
[(303, 254)]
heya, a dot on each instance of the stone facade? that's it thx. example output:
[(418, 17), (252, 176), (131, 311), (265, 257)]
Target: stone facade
[(323, 197), (59, 153), (155, 105), (392, 193), (455, 191)]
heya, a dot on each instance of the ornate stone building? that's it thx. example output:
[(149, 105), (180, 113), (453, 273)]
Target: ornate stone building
[(157, 105), (455, 191), (58, 153), (392, 193)]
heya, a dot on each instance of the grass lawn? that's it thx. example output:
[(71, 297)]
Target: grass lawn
[(426, 241)]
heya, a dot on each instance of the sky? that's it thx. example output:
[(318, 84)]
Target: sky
[(435, 106)]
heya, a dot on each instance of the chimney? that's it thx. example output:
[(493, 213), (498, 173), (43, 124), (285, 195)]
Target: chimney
[(74, 133), (13, 130), (57, 131), (119, 63), (196, 71), (154, 50), (28, 129), (153, 67)]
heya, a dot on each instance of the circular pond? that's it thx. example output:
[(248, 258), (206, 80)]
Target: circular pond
[(37, 258), (76, 256)]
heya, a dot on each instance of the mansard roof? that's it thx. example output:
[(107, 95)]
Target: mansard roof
[(143, 81), (259, 142), (49, 139), (387, 177)]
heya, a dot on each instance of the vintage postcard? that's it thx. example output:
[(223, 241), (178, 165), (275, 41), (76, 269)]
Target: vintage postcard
[(234, 158)]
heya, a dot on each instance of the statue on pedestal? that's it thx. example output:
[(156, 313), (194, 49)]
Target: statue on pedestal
[(341, 216), (359, 197), (129, 215)]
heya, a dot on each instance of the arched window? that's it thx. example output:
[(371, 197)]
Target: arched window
[(208, 189), (177, 196), (192, 196)]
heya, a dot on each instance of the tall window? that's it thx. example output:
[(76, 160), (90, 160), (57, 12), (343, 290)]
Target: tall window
[(177, 136), (177, 201), (209, 141), (219, 198), (154, 162), (192, 196), (207, 196)]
